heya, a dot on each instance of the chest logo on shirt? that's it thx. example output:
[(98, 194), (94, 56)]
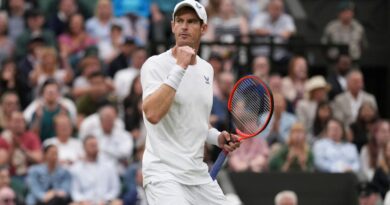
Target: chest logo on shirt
[(207, 79)]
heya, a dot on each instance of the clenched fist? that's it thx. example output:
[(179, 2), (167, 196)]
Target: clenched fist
[(185, 56)]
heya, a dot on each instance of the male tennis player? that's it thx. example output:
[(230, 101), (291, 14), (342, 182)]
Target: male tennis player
[(177, 100)]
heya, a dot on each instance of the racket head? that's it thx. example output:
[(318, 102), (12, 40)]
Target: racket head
[(251, 105)]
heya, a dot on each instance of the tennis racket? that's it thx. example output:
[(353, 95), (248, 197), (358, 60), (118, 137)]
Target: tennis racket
[(250, 106)]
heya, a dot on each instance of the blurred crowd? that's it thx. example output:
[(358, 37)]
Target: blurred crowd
[(70, 106)]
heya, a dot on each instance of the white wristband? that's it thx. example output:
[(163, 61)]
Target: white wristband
[(175, 76), (212, 136)]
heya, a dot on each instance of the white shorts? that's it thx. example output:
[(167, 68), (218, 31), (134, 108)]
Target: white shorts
[(171, 192)]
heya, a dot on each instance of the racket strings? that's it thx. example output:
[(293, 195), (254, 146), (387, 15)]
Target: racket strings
[(250, 106)]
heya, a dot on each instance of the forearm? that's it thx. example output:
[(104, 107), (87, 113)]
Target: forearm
[(157, 105)]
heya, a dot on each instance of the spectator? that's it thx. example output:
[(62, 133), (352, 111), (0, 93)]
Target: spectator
[(16, 21), (251, 8), (274, 23), (361, 129), (7, 196), (48, 67), (261, 68), (161, 14), (382, 172), (116, 145), (296, 154), (372, 153), (69, 149), (217, 62), (369, 194), (123, 60), (133, 109), (9, 104), (41, 112), (24, 147), (332, 154), (109, 50), (316, 91), (212, 8), (293, 85), (12, 81), (286, 198), (275, 82), (35, 22), (279, 127), (253, 156), (123, 79), (346, 105), (49, 183), (138, 13), (6, 43), (75, 40), (227, 25), (99, 26), (346, 30), (97, 96), (59, 20), (323, 114), (95, 181), (88, 65), (337, 78)]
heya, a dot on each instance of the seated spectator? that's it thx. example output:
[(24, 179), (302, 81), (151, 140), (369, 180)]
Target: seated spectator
[(97, 96), (91, 124), (161, 15), (58, 21), (69, 149), (253, 156), (279, 127), (293, 85), (48, 67), (132, 105), (273, 23), (6, 43), (261, 68), (76, 40), (11, 80), (35, 22), (49, 183), (217, 62), (116, 145), (332, 154), (369, 194), (372, 153), (123, 60), (337, 77), (275, 82), (16, 20), (316, 90), (99, 26), (16, 190), (24, 147), (382, 172), (251, 8), (363, 127), (295, 155), (346, 105), (286, 198), (88, 65), (94, 181), (7, 196), (41, 112), (109, 50), (123, 79), (346, 30), (323, 114), (9, 104)]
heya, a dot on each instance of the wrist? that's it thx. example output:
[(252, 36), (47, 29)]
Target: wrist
[(212, 136), (175, 76)]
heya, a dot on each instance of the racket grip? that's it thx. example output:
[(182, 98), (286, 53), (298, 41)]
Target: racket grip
[(218, 165)]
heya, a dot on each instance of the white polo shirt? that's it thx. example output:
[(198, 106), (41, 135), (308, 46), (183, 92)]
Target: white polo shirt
[(175, 145)]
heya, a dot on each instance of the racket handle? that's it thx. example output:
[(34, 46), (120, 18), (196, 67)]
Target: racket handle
[(217, 165)]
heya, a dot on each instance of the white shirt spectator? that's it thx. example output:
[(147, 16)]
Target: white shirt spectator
[(102, 31), (91, 125), (123, 80), (94, 181), (70, 151), (330, 156)]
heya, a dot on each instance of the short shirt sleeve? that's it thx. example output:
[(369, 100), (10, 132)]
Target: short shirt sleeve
[(151, 77)]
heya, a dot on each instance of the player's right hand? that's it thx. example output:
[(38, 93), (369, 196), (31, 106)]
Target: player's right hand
[(185, 56)]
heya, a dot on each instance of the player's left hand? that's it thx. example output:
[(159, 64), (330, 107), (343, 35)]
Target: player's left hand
[(228, 142)]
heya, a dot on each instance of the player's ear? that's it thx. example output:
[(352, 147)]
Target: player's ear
[(203, 28)]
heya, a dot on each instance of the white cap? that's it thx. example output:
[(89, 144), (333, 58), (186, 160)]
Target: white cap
[(199, 9)]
